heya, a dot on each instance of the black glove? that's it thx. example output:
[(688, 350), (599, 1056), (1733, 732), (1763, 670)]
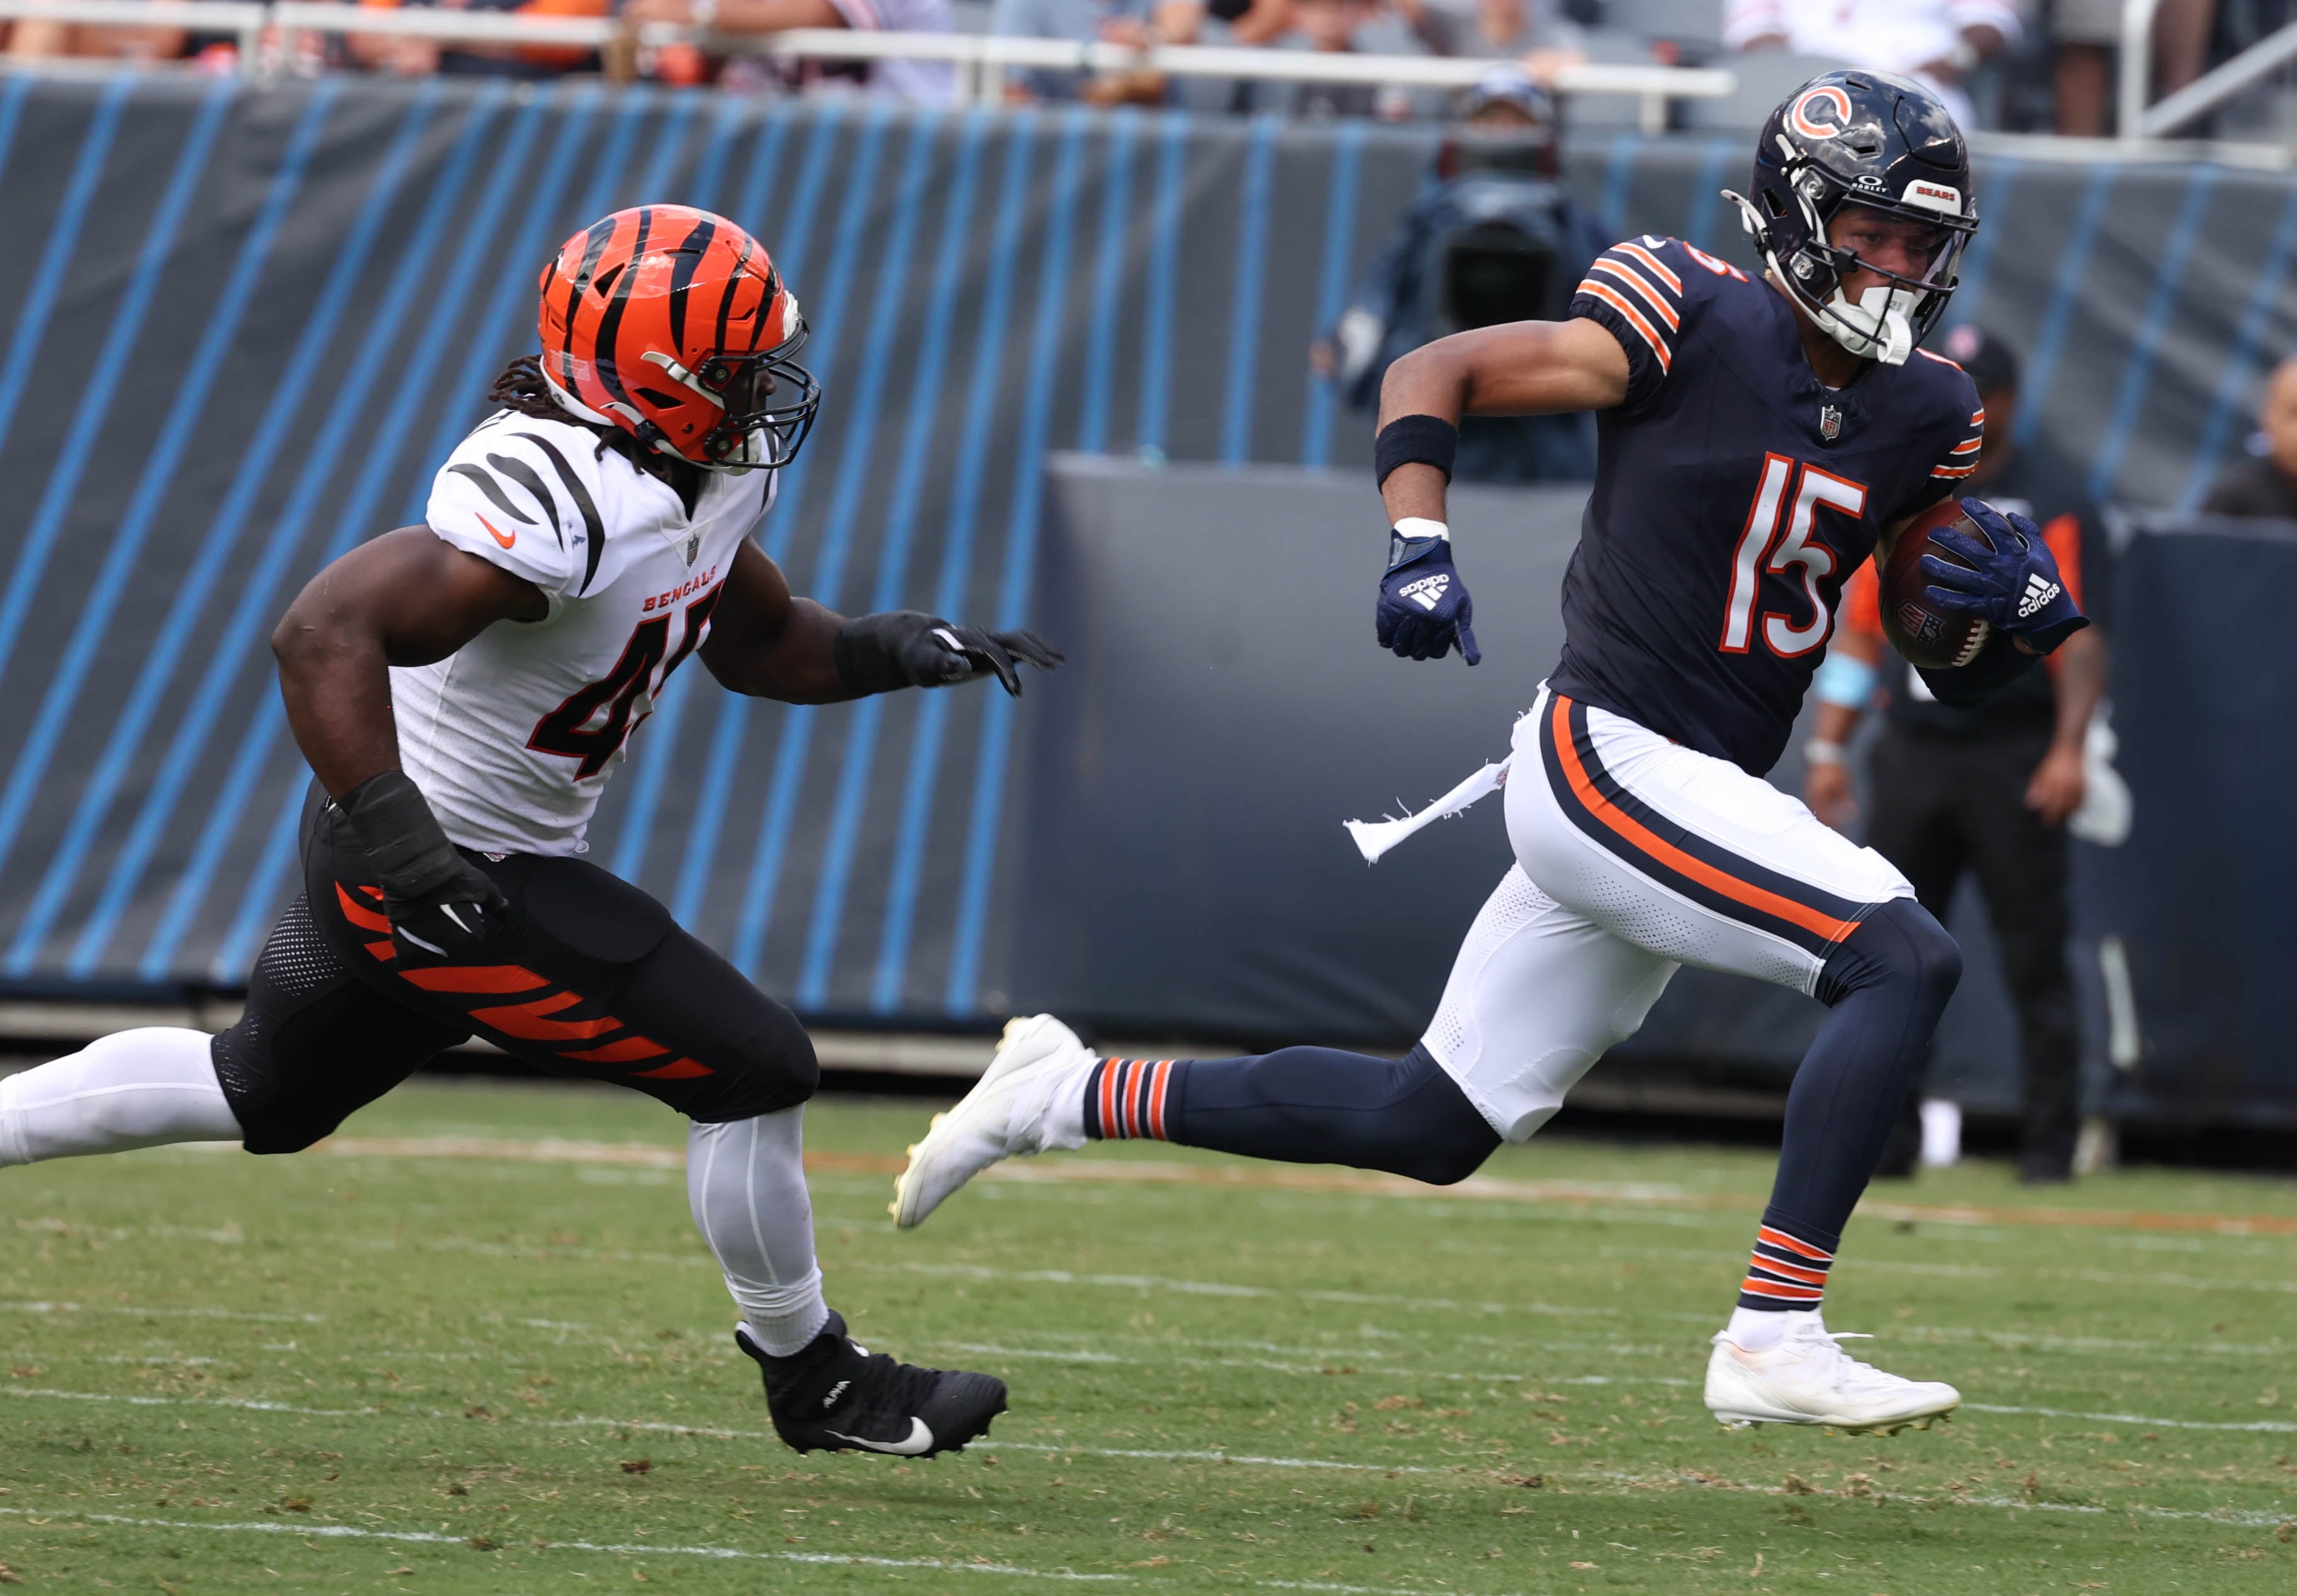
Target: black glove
[(2014, 586), (902, 649), (440, 904)]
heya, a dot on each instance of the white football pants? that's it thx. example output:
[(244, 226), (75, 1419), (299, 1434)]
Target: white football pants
[(1634, 856)]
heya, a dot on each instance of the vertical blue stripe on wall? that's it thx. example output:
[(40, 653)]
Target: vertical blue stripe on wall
[(2264, 295), (2073, 262), (763, 883), (957, 554), (1707, 194), (1332, 286), (1162, 299), (1978, 259), (892, 567), (855, 468), (1251, 281), (2169, 273), (1020, 568), (1108, 279)]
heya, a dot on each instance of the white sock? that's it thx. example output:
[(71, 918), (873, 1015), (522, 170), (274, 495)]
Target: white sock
[(1062, 1125), (1758, 1329), (133, 1089), (746, 1184)]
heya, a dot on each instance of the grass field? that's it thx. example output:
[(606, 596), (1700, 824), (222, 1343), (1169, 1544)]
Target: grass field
[(474, 1345)]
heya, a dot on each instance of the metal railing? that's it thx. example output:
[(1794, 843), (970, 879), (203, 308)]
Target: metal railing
[(266, 33)]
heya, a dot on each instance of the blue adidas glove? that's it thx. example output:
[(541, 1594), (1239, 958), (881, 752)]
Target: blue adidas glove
[(2014, 586), (1424, 608)]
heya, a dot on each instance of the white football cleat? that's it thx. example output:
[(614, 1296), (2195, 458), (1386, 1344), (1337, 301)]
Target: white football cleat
[(1004, 1115), (1807, 1379)]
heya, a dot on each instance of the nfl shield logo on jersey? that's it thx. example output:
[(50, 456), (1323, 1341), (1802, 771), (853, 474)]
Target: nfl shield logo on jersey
[(1830, 422)]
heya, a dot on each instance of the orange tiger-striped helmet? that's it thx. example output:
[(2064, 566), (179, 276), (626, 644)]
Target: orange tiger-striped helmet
[(672, 323)]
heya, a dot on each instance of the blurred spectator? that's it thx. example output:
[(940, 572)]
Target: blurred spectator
[(1136, 23), (1533, 33), (1343, 26), (921, 82), (1494, 238), (35, 38), (2265, 485), (1988, 790), (420, 57), (1933, 41), (2088, 35), (1247, 21)]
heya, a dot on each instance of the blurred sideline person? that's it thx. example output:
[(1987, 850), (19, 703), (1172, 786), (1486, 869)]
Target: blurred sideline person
[(1493, 237), (463, 689), (1934, 42), (1760, 439), (1985, 789), (2265, 486), (917, 82)]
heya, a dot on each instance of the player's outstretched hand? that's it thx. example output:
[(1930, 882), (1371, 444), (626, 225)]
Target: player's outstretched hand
[(2014, 587), (440, 906), (1424, 608), (903, 648)]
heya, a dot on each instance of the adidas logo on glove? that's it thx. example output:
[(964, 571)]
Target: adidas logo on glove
[(1428, 591), (2040, 591)]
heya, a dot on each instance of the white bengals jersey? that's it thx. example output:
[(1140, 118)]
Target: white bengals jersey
[(512, 736)]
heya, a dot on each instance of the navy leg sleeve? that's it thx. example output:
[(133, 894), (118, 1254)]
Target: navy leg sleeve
[(1888, 984), (1320, 1106)]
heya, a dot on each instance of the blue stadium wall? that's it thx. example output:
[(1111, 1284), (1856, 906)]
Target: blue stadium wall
[(242, 326)]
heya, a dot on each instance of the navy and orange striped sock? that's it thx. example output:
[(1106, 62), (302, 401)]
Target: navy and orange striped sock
[(1788, 1270), (1125, 1098)]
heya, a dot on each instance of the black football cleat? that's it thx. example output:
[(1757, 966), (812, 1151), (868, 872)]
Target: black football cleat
[(838, 1395)]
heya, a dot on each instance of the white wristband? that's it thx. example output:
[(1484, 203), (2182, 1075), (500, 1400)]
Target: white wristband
[(1420, 526), (1820, 751)]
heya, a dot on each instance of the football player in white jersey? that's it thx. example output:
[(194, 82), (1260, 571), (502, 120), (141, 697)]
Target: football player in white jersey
[(462, 690)]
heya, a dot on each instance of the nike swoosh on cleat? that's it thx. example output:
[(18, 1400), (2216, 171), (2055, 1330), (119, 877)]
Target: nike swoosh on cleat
[(919, 1440)]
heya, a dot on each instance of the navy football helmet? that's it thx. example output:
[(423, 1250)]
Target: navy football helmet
[(1872, 139)]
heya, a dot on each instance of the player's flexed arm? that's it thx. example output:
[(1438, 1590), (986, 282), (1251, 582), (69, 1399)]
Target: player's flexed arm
[(1522, 368), (769, 644)]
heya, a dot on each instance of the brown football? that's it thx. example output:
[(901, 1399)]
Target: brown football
[(1931, 638)]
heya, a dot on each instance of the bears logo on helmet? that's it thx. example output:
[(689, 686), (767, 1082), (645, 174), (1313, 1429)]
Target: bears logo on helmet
[(671, 324)]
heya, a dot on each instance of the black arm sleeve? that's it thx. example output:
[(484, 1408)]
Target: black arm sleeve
[(1998, 664)]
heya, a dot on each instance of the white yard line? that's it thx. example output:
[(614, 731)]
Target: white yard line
[(345, 1532), (1186, 1288), (2266, 1426), (2225, 1516), (29, 1307)]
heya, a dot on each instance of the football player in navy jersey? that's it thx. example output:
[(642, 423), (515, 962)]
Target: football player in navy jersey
[(1759, 437)]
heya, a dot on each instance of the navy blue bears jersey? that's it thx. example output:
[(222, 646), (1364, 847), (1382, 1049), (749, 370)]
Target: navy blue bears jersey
[(1733, 495)]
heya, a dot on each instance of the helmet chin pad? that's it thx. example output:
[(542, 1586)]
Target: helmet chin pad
[(1876, 327)]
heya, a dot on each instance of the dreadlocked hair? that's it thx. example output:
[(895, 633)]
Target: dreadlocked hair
[(522, 388)]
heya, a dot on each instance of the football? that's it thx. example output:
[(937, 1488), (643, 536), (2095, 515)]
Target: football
[(1927, 636)]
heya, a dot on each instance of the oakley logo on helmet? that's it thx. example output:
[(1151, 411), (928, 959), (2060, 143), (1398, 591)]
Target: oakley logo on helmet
[(1820, 112)]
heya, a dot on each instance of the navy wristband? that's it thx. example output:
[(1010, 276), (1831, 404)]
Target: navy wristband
[(1415, 439)]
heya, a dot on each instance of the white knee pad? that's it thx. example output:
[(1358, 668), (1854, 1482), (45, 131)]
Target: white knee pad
[(134, 1089)]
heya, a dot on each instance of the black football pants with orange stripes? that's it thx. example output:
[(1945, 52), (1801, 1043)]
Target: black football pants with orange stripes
[(589, 978)]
